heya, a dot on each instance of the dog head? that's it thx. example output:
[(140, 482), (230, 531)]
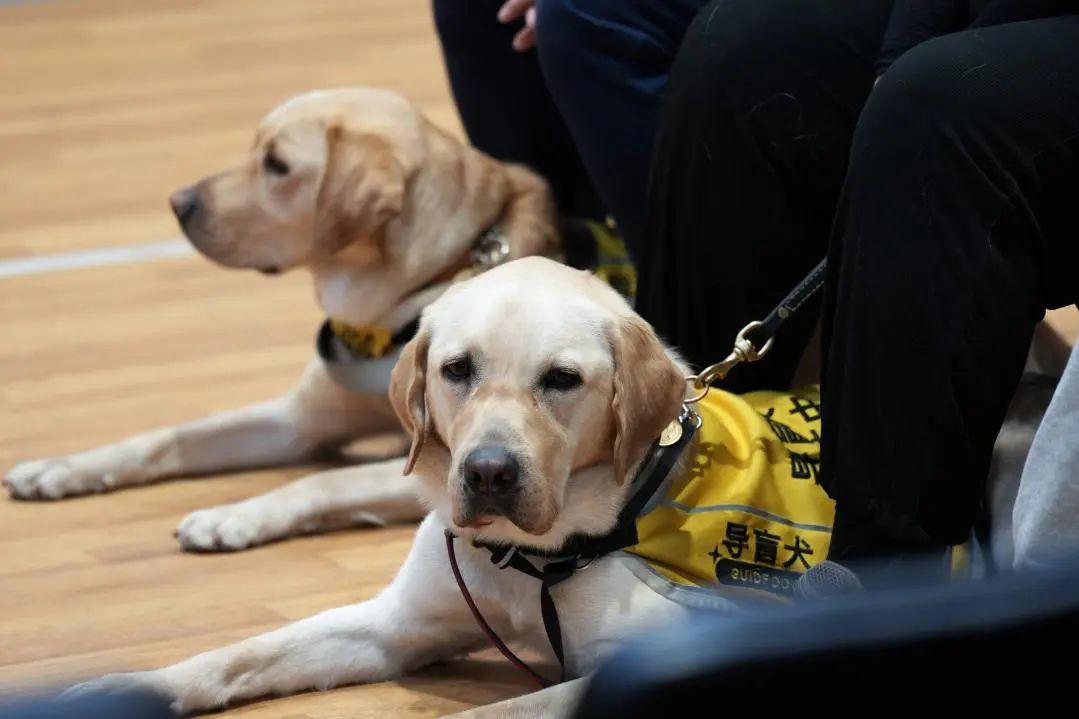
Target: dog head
[(355, 185), (531, 393)]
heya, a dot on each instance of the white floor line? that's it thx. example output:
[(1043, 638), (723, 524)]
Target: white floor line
[(176, 247)]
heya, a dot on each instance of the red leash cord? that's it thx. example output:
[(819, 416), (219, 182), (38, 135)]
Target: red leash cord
[(494, 638)]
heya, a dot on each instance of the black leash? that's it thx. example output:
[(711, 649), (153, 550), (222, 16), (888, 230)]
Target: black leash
[(745, 349), (791, 304)]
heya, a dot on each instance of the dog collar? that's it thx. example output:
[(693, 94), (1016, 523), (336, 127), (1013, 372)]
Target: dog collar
[(361, 357)]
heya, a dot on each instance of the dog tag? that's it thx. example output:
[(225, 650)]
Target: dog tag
[(671, 433)]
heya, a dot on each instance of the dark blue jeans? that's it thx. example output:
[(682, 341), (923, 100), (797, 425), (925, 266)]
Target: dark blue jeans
[(582, 108)]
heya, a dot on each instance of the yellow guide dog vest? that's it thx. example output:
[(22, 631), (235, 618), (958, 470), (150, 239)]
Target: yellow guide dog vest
[(747, 515)]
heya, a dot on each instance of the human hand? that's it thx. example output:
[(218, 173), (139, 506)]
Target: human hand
[(513, 10)]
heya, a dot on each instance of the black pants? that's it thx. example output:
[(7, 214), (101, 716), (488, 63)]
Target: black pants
[(588, 98), (945, 199)]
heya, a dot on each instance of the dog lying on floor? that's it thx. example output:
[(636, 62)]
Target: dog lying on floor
[(534, 396), (384, 210)]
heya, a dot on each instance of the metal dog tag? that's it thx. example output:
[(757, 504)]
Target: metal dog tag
[(671, 433)]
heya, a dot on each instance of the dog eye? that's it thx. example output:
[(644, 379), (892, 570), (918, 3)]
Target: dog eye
[(458, 370), (560, 380), (275, 165)]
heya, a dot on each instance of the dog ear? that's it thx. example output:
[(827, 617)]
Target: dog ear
[(363, 188), (648, 391), (408, 393)]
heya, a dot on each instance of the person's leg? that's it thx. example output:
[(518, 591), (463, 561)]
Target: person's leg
[(1045, 517), (749, 161), (504, 103), (606, 64), (957, 228)]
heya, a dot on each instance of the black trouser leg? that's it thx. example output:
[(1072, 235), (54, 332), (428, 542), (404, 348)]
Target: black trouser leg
[(504, 103), (957, 227), (606, 64), (749, 162)]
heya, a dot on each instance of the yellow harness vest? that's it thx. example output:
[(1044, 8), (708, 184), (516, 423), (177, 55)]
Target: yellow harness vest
[(747, 515)]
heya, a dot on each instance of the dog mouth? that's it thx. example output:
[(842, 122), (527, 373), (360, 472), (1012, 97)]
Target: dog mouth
[(481, 517), (270, 270), (468, 515)]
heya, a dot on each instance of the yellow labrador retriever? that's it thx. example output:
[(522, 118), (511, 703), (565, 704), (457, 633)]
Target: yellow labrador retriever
[(528, 411), (383, 209)]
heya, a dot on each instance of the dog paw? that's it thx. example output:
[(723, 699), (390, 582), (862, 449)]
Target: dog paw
[(54, 479), (227, 528)]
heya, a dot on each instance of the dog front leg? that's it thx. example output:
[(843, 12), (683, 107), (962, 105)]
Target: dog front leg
[(315, 414), (418, 619), (371, 494)]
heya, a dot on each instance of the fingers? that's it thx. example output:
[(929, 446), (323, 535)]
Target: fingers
[(526, 38), (512, 10)]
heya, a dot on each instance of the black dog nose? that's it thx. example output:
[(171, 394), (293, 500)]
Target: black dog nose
[(183, 202), (491, 470)]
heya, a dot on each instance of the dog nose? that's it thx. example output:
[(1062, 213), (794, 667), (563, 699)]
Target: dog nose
[(491, 470), (183, 202)]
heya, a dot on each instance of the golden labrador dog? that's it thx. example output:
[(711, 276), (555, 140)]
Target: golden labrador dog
[(383, 209), (530, 412)]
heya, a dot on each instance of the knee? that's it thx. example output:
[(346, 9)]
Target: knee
[(739, 53), (930, 103), (559, 20)]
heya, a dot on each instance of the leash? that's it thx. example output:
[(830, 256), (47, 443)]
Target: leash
[(484, 626), (580, 552), (745, 349)]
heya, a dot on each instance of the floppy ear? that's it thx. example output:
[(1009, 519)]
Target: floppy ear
[(648, 391), (408, 384), (363, 188)]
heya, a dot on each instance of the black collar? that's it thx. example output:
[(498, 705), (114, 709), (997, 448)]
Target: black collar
[(651, 474)]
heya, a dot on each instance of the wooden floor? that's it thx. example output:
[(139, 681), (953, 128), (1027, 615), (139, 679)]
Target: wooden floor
[(105, 107)]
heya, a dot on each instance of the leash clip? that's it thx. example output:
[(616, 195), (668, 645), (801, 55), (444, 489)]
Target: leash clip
[(744, 351)]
